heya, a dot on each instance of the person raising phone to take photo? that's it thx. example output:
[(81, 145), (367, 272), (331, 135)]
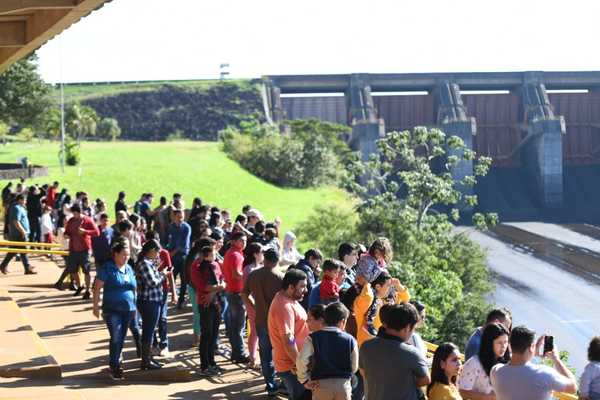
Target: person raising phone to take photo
[(520, 379)]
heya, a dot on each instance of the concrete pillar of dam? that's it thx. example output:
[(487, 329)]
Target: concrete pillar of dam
[(273, 106), (452, 119), (362, 117), (541, 150)]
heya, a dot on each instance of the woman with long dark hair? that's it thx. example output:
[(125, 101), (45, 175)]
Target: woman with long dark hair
[(474, 382), (150, 295), (445, 369)]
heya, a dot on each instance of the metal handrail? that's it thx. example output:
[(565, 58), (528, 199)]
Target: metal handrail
[(33, 244), (33, 251), (431, 348)]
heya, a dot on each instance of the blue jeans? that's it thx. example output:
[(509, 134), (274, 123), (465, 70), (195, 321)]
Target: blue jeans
[(117, 323), (195, 310), (296, 391), (163, 340), (236, 317), (150, 311), (266, 358), (178, 266)]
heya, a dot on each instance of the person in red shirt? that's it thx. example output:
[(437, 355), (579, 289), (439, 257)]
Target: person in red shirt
[(51, 195), (233, 265), (207, 279), (329, 290), (80, 229)]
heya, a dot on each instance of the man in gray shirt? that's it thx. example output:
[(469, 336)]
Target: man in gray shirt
[(392, 368), (520, 379)]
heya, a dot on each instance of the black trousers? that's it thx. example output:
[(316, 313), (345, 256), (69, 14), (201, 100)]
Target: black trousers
[(10, 256), (210, 319)]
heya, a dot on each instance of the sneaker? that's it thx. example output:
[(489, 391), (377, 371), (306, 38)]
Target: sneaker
[(86, 295), (273, 392), (207, 372), (216, 370), (241, 360), (164, 352), (30, 271), (58, 286), (3, 270), (78, 291), (116, 374)]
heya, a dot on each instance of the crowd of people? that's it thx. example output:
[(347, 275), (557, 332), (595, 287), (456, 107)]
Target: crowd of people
[(316, 327)]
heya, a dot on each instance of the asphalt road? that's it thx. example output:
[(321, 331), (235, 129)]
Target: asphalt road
[(544, 290)]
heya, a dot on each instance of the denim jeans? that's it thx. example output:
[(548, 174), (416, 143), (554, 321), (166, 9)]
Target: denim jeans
[(117, 323), (150, 311), (162, 341), (178, 266), (210, 319), (266, 358), (195, 310), (236, 317), (296, 391), (358, 387)]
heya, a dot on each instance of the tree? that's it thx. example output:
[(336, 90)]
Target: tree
[(51, 123), (82, 121), (24, 96), (4, 129), (109, 128)]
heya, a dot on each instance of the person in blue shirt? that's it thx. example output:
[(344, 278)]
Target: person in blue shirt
[(179, 235), (101, 243), (18, 231), (500, 316), (117, 280)]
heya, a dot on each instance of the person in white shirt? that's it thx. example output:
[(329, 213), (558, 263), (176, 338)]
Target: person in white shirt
[(590, 379), (474, 381), (521, 379)]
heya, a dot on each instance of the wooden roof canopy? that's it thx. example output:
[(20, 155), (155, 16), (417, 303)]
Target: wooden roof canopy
[(25, 25)]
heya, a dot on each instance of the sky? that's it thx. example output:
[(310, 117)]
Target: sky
[(135, 40)]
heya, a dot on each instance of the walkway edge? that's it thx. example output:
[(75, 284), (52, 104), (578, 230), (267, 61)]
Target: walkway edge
[(51, 369)]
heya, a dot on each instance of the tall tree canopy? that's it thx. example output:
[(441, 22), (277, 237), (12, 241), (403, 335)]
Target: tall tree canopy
[(24, 97)]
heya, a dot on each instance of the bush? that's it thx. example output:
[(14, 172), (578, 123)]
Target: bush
[(72, 153), (326, 228), (311, 155)]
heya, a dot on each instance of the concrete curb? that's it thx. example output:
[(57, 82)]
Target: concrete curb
[(50, 369)]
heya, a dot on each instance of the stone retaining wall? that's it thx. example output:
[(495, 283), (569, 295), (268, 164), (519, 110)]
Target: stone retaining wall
[(16, 171)]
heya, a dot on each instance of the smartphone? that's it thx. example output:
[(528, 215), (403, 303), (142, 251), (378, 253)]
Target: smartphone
[(548, 344)]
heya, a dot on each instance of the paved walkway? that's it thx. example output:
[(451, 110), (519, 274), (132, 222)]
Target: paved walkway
[(79, 343)]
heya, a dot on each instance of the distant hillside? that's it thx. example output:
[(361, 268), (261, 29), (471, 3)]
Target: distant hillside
[(84, 91), (161, 110)]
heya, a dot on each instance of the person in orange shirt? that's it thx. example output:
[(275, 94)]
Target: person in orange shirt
[(370, 300), (288, 330)]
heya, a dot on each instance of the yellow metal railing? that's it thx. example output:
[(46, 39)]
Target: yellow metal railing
[(431, 348), (34, 244)]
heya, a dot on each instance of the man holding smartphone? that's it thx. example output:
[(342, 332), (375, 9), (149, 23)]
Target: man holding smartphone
[(520, 379)]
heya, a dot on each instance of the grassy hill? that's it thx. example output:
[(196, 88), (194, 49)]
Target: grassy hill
[(191, 168), (85, 91)]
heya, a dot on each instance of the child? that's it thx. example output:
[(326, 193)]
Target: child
[(47, 227), (334, 354), (590, 379), (444, 372), (329, 291), (316, 318), (372, 264)]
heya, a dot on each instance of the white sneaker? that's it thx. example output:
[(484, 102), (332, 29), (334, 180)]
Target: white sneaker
[(165, 352)]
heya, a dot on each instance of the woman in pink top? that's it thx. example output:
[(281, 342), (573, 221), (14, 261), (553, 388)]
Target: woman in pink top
[(253, 259)]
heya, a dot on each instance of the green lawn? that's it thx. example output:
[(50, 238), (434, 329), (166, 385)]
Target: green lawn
[(79, 92), (192, 168)]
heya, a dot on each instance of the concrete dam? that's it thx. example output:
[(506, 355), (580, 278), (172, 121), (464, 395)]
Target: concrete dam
[(542, 129)]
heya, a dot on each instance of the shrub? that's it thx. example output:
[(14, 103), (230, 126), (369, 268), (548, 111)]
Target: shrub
[(72, 153), (312, 155)]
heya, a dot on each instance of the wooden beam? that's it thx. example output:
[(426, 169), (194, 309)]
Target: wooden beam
[(44, 24), (12, 34), (19, 6)]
